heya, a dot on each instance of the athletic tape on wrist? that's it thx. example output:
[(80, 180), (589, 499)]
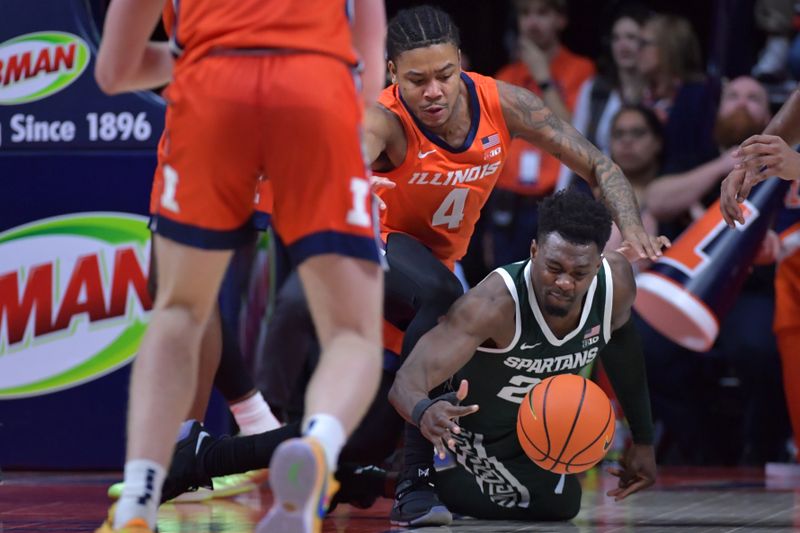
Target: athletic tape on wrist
[(423, 405)]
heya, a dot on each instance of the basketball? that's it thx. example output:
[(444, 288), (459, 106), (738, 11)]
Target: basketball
[(565, 424)]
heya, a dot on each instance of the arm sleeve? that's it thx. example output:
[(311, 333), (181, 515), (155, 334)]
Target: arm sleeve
[(623, 360)]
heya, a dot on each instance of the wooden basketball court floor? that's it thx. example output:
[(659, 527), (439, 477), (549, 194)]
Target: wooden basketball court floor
[(684, 500)]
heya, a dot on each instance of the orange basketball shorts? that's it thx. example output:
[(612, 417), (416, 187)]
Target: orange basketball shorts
[(293, 119)]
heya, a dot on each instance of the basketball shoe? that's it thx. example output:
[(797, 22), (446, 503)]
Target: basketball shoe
[(187, 480), (302, 487), (137, 525), (417, 504)]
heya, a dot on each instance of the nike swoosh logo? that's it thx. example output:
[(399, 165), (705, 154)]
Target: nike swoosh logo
[(423, 155), (200, 438), (529, 346)]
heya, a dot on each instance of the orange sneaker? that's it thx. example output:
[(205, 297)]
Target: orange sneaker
[(137, 525), (302, 487)]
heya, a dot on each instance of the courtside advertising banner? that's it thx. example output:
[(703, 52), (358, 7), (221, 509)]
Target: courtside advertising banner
[(76, 167)]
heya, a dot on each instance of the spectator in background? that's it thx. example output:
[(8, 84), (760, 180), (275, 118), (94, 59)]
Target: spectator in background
[(555, 74), (637, 144), (618, 82), (743, 111), (745, 353), (774, 17), (676, 89)]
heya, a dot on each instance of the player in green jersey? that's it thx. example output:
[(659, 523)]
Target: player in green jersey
[(551, 314)]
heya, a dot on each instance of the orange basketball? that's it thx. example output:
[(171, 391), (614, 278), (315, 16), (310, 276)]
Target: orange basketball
[(565, 424)]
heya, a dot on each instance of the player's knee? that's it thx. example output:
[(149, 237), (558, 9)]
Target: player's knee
[(570, 511), (567, 509), (177, 328), (446, 290), (356, 343), (186, 315)]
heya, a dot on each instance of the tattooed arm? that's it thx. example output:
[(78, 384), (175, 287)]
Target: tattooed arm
[(527, 117)]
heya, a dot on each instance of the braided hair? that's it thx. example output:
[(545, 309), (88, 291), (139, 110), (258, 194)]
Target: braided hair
[(419, 27)]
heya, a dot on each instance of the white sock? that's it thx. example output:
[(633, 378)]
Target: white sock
[(330, 433), (254, 416), (141, 494)]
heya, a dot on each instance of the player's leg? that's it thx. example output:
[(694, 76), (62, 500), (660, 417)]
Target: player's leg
[(227, 456), (418, 278), (233, 379), (323, 213), (210, 350), (787, 333), (345, 299), (788, 341), (164, 373), (209, 347), (433, 286), (532, 495), (202, 203), (286, 346)]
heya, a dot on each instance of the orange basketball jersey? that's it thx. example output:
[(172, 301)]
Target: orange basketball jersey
[(195, 27), (440, 188)]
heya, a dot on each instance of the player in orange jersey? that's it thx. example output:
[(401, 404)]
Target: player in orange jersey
[(440, 136), (760, 157), (243, 101)]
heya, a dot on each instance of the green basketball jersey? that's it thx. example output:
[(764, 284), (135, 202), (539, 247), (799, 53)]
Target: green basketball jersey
[(499, 378)]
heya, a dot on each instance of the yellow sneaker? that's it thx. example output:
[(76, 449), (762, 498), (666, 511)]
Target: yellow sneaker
[(224, 487), (227, 486), (302, 486)]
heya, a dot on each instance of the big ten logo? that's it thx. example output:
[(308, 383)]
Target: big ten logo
[(690, 253), (73, 300)]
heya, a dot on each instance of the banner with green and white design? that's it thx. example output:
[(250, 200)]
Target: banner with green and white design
[(73, 300)]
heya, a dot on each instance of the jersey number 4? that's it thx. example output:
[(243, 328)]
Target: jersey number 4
[(451, 210)]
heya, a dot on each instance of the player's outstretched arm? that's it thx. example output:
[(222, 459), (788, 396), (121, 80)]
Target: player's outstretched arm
[(623, 360), (761, 157), (786, 122), (383, 136), (527, 117), (127, 60), (442, 351)]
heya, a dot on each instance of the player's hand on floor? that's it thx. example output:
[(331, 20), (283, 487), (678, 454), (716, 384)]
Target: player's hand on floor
[(377, 183), (642, 243), (438, 421), (637, 471)]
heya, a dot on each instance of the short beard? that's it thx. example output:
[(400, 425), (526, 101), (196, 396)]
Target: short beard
[(735, 128), (559, 312)]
